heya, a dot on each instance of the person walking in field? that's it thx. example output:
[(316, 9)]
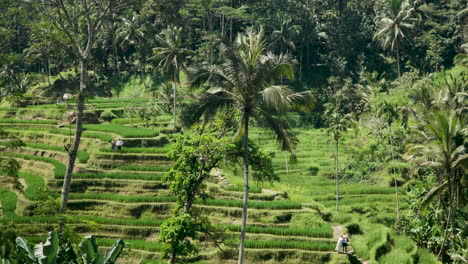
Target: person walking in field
[(345, 243), (113, 145), (339, 244), (119, 144)]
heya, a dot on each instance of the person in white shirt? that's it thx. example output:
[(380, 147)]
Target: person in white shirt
[(119, 144)]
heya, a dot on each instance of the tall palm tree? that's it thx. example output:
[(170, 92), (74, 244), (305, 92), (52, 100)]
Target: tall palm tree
[(284, 33), (172, 56), (130, 33), (443, 147), (337, 124), (395, 26), (246, 81), (389, 113)]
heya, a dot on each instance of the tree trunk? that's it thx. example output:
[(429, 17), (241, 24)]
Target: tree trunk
[(394, 176), (246, 186), (72, 153), (398, 59), (174, 83), (337, 139)]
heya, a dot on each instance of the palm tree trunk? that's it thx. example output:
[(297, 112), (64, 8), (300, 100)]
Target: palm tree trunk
[(394, 176), (174, 83), (398, 59), (246, 186), (336, 172), (72, 153)]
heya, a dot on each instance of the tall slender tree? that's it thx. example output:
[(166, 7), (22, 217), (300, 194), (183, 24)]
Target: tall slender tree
[(337, 124), (80, 21), (396, 26), (389, 113), (172, 57), (245, 81)]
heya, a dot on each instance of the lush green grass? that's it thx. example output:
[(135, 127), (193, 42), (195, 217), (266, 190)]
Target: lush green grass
[(35, 185), (324, 231), (8, 200), (425, 257), (124, 131), (252, 189), (59, 171), (139, 150), (133, 244), (83, 156), (88, 134), (115, 175), (123, 198), (304, 245), (117, 100), (15, 121), (278, 205), (144, 168)]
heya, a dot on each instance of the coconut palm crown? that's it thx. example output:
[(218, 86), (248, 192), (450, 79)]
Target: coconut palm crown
[(395, 26)]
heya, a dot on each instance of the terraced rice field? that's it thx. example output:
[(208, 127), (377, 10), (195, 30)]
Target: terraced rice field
[(119, 194)]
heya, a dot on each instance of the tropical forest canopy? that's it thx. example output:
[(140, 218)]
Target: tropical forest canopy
[(233, 131)]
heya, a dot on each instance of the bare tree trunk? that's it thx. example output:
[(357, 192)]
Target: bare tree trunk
[(72, 153), (398, 59), (174, 83), (246, 186), (336, 172), (394, 176)]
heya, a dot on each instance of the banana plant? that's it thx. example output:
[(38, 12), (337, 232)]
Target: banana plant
[(90, 255), (51, 253)]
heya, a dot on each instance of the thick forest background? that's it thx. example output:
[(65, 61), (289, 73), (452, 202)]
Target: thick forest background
[(393, 73)]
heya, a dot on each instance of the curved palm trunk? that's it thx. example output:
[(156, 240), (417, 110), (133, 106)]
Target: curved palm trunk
[(246, 186), (394, 176), (336, 173), (72, 153)]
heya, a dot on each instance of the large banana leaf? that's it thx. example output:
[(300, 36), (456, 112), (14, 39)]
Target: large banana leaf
[(22, 245), (46, 253), (114, 253), (89, 250)]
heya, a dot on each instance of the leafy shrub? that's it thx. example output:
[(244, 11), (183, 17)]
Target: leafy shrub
[(313, 170), (108, 115), (354, 229)]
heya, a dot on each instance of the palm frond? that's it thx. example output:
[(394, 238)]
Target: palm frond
[(432, 194), (207, 106), (280, 128)]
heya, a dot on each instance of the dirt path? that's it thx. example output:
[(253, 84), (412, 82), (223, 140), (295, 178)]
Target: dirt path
[(337, 231)]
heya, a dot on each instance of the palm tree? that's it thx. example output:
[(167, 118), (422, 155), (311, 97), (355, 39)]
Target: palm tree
[(395, 26), (131, 34), (284, 33), (172, 56), (337, 124), (389, 113), (443, 147), (246, 81)]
